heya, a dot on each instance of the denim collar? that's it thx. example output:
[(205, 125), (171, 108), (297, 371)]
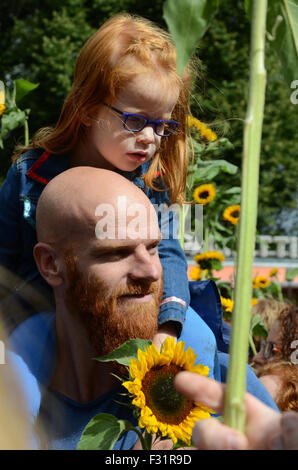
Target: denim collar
[(48, 165)]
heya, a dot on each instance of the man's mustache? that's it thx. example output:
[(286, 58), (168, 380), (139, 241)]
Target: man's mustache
[(138, 289)]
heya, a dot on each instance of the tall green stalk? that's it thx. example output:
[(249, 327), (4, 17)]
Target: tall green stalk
[(235, 413)]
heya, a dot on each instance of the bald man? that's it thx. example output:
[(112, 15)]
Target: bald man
[(97, 248)]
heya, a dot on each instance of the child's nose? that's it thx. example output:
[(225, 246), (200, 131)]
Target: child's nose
[(146, 135)]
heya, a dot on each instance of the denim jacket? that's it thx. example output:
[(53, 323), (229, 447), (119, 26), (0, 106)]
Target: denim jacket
[(19, 194)]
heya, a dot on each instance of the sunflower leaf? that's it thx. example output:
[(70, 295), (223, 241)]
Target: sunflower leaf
[(102, 432), (23, 87), (257, 327), (126, 351), (188, 20), (283, 24)]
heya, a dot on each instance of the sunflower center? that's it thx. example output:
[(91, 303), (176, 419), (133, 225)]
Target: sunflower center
[(168, 405), (235, 214), (204, 194)]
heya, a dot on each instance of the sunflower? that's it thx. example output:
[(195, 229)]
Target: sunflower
[(254, 301), (228, 304), (204, 194), (209, 255), (260, 282), (210, 260), (273, 272), (201, 127), (232, 214), (161, 409)]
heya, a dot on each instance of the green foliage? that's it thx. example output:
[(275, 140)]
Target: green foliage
[(14, 117), (283, 24), (187, 22), (126, 351), (221, 102), (102, 432), (257, 327), (208, 169), (291, 274)]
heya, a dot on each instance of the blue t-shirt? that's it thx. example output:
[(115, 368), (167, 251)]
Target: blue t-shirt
[(63, 419)]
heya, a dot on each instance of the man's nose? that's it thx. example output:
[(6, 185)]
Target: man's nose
[(145, 266)]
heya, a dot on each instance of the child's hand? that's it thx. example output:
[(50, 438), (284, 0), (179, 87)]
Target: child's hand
[(165, 330)]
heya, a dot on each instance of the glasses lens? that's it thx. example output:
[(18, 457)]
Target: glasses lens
[(134, 123), (165, 128)]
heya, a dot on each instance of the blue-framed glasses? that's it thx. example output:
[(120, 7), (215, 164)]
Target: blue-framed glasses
[(136, 122)]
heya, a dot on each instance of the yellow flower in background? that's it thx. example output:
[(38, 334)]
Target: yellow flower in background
[(201, 127), (232, 214), (196, 273), (204, 194), (161, 408), (2, 93), (2, 98), (254, 301), (228, 304), (273, 272), (208, 255), (260, 282), (2, 109)]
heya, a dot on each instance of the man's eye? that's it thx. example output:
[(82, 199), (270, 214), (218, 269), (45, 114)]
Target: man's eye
[(113, 256), (153, 249)]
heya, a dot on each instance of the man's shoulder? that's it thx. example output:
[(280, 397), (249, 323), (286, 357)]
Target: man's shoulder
[(34, 340), (41, 323)]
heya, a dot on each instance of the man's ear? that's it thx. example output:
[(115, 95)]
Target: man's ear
[(49, 264)]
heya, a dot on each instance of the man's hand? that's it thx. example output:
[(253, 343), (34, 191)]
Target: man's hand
[(160, 444), (165, 330), (265, 428)]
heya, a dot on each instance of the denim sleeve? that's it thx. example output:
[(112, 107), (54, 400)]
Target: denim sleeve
[(10, 233), (176, 296)]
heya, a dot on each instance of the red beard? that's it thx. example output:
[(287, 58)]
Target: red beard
[(108, 318)]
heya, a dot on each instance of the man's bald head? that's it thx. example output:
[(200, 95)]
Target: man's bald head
[(67, 206)]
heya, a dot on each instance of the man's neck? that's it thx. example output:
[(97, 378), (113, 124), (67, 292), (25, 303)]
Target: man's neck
[(77, 375)]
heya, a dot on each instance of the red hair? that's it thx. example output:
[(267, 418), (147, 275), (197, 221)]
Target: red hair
[(101, 72), (287, 395)]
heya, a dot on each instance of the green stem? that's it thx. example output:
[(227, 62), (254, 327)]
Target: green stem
[(143, 441), (26, 132), (252, 344), (181, 229), (235, 413), (279, 293), (206, 238)]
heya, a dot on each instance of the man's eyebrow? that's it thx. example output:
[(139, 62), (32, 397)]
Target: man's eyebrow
[(99, 250)]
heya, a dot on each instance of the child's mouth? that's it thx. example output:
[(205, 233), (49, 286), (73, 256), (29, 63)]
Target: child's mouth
[(140, 157)]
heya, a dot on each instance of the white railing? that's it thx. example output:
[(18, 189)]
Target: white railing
[(267, 246)]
